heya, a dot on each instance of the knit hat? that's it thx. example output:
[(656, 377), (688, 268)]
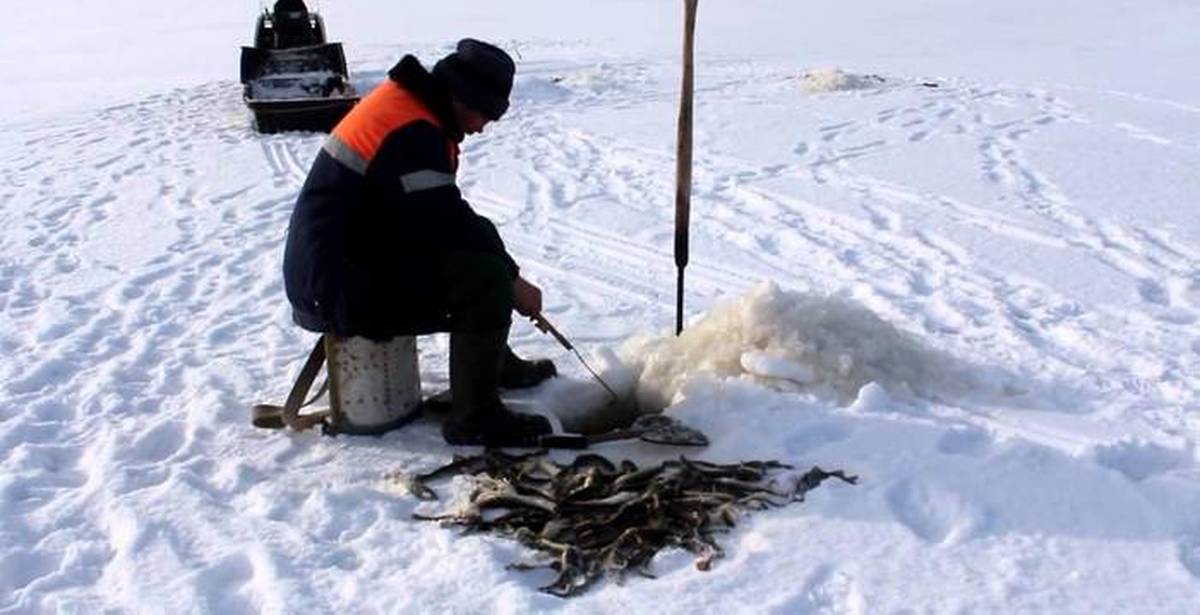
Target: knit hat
[(480, 75)]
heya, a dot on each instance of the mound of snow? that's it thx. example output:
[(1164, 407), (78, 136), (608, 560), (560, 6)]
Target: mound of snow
[(533, 90), (828, 346), (602, 78), (836, 80)]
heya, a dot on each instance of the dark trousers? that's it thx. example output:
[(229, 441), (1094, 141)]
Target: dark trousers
[(475, 292)]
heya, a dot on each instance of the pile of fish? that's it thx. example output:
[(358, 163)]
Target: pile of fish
[(593, 518)]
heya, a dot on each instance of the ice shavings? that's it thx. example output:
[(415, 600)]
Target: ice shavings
[(829, 346)]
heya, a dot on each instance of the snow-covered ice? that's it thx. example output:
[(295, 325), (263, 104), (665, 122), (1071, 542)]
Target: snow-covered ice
[(952, 247)]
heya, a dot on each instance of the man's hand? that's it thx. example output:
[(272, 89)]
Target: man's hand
[(527, 297)]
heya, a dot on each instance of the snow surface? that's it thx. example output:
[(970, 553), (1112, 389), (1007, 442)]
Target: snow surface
[(974, 282)]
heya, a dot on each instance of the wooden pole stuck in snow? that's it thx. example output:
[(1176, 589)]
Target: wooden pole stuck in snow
[(683, 158)]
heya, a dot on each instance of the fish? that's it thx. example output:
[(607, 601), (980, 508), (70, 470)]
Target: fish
[(594, 518)]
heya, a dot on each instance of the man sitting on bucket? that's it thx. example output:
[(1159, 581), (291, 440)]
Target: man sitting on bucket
[(382, 244)]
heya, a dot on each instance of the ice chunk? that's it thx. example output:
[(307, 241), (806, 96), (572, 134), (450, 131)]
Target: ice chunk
[(767, 366)]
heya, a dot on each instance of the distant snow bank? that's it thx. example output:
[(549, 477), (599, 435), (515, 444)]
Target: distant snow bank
[(830, 346), (836, 80)]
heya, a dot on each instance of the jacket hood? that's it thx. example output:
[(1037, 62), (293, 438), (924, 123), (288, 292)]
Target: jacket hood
[(412, 76)]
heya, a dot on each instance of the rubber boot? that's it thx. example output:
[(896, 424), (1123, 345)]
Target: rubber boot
[(478, 417), (517, 373)]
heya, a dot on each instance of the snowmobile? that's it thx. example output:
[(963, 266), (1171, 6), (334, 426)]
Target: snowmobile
[(292, 78)]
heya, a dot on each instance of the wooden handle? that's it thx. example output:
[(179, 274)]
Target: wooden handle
[(544, 326), (683, 156)]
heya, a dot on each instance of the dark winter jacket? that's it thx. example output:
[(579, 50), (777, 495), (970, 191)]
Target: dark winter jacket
[(378, 208)]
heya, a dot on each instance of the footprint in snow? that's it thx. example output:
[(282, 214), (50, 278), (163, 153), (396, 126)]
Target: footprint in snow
[(52, 411), (826, 590), (19, 568), (1154, 292), (1177, 316), (220, 585), (931, 512), (43, 375), (1139, 460), (158, 443), (969, 441)]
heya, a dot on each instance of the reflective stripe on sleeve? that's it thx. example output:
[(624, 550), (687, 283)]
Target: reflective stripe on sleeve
[(342, 153), (425, 180)]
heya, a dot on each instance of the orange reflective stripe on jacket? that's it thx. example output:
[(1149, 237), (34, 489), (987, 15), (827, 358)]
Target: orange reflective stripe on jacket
[(389, 107)]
